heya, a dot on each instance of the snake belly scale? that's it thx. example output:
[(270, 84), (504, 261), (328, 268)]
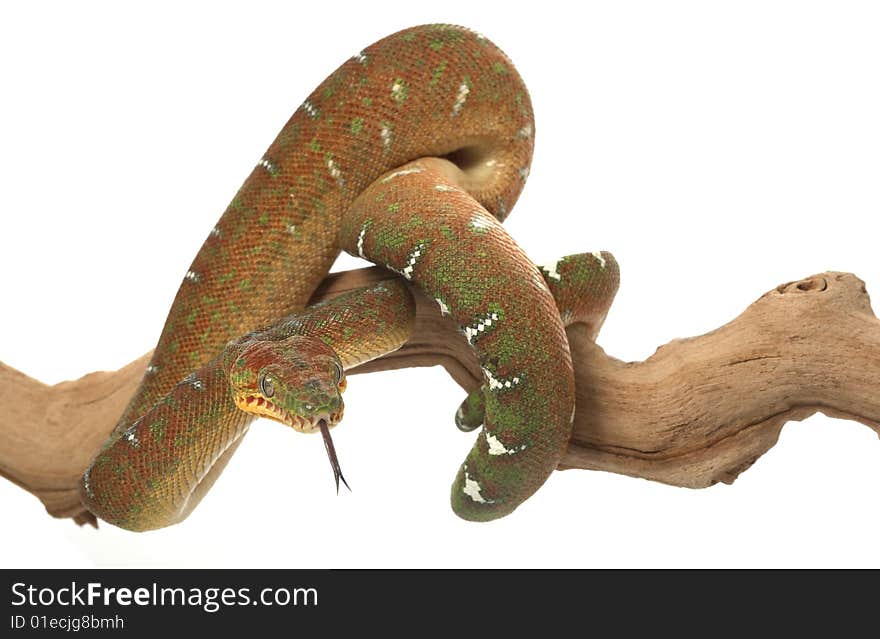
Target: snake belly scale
[(434, 91)]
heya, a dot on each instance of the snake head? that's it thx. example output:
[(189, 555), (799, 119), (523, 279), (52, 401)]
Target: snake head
[(297, 381)]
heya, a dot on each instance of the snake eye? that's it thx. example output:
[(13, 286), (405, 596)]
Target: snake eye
[(267, 387), (337, 372)]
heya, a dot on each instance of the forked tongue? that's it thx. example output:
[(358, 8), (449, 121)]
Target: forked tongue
[(331, 454)]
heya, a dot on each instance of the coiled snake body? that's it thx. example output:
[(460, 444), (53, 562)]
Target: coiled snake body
[(359, 166)]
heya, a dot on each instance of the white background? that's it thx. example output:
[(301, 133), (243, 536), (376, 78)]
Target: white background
[(718, 149)]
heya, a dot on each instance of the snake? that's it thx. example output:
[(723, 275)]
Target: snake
[(409, 155)]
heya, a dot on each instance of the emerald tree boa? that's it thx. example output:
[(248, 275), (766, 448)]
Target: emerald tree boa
[(409, 155)]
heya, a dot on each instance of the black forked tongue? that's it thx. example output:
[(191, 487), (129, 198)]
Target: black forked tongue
[(331, 453)]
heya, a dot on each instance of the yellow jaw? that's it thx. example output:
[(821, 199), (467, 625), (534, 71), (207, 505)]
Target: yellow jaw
[(262, 407)]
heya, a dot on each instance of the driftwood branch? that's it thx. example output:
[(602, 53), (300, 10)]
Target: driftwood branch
[(699, 411)]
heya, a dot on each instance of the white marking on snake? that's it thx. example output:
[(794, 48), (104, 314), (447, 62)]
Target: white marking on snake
[(396, 90), (411, 261), (360, 243), (444, 310), (335, 173), (524, 173), (473, 331), (192, 276), (195, 382), (460, 98), (360, 57), (472, 489), (86, 484), (525, 132), (267, 164), (152, 370), (388, 178), (444, 188), (551, 271), (538, 281), (598, 256), (131, 435), (385, 134), (291, 228), (215, 232), (497, 448), (310, 109), (500, 384), (480, 221)]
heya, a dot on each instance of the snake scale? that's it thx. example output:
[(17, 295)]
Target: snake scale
[(409, 155)]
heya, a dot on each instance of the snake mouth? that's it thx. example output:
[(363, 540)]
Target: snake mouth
[(257, 405)]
